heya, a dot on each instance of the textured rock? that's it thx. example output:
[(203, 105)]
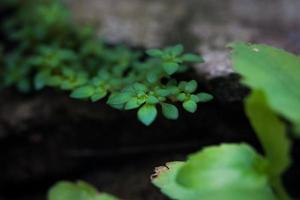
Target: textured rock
[(204, 26)]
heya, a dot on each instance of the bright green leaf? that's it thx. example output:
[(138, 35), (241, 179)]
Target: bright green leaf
[(98, 95), (133, 103), (80, 190), (169, 111), (274, 72), (165, 179), (119, 98), (191, 86), (204, 97), (228, 171), (271, 132), (192, 58), (190, 106), (170, 67), (83, 92), (147, 114), (154, 53), (176, 50)]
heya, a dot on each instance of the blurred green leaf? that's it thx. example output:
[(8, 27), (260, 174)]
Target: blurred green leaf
[(80, 190), (190, 106), (271, 132), (169, 111), (274, 72), (192, 58), (225, 172), (83, 92), (170, 67)]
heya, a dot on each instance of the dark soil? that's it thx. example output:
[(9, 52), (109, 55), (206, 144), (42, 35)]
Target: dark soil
[(46, 137)]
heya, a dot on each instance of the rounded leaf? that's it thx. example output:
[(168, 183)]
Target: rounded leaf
[(169, 111), (154, 53), (83, 92), (190, 106), (192, 58), (147, 114), (191, 86), (170, 67), (204, 97)]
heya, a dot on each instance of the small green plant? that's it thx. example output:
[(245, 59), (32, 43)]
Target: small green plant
[(80, 190), (49, 51)]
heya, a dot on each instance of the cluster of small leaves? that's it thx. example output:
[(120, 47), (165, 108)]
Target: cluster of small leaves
[(80, 190), (48, 50)]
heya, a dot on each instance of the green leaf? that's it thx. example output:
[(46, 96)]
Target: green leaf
[(80, 190), (152, 100), (228, 171), (190, 106), (274, 72), (154, 53), (139, 87), (176, 50), (271, 132), (204, 97), (170, 67), (165, 179), (152, 77), (98, 95), (169, 111), (133, 103), (119, 98), (192, 58), (83, 92), (191, 86), (40, 80), (181, 97), (225, 172), (147, 114), (162, 92)]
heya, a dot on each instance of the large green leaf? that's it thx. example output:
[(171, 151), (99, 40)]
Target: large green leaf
[(225, 172), (274, 72), (165, 179), (65, 190), (270, 131)]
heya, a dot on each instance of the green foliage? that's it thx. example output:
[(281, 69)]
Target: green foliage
[(228, 171), (80, 190), (271, 132), (50, 51), (275, 73)]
